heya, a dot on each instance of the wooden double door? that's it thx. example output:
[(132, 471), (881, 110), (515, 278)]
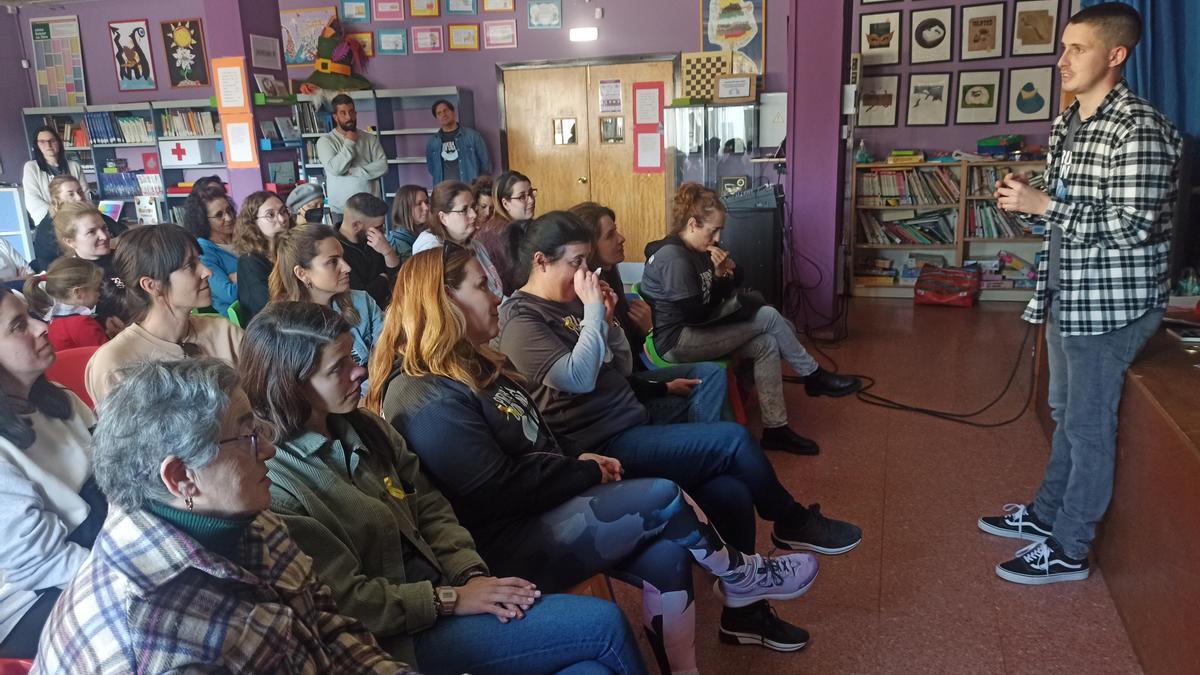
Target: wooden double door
[(559, 135)]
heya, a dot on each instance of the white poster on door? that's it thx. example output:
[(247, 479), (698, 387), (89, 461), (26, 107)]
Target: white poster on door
[(610, 97)]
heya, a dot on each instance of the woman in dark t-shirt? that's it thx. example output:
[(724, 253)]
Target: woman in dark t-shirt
[(535, 511)]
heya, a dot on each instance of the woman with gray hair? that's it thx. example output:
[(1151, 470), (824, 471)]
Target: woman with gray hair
[(190, 571)]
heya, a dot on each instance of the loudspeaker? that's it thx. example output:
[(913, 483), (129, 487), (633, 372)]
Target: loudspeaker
[(754, 237)]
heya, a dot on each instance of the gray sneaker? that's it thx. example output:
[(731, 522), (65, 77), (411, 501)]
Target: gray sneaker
[(774, 578)]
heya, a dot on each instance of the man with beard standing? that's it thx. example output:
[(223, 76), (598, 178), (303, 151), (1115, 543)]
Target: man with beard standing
[(372, 260), (353, 159)]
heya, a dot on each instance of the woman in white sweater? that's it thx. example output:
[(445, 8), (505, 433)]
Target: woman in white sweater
[(50, 160), (50, 507)]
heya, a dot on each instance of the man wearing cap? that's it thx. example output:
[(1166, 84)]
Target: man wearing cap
[(353, 159), (306, 201)]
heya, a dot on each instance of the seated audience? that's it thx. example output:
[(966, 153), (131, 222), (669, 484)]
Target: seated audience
[(191, 571), (211, 217), (555, 330), (707, 380), (49, 503), (263, 218), (309, 267), (452, 220), (384, 538), (164, 281), (63, 189), (692, 285), (13, 266), (513, 198), (306, 202), (71, 291), (49, 161), (410, 209), (372, 260), (485, 446), (481, 190)]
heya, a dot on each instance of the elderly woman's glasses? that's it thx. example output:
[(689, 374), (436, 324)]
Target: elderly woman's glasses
[(252, 436)]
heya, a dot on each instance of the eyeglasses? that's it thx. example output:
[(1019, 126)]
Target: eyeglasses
[(448, 249), (532, 194), (272, 215), (227, 213), (470, 207), (253, 436), (48, 141)]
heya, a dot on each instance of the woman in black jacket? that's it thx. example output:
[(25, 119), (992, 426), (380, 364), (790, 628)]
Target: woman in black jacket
[(534, 508)]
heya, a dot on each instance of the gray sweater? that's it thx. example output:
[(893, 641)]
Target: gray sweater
[(351, 167)]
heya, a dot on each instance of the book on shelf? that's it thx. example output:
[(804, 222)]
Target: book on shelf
[(150, 184), (986, 221), (111, 208), (146, 208), (981, 180), (110, 128), (933, 228), (874, 277), (905, 157), (310, 152), (121, 185), (179, 123), (312, 120), (897, 187), (287, 130)]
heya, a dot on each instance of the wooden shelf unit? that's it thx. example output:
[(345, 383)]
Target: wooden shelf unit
[(956, 252)]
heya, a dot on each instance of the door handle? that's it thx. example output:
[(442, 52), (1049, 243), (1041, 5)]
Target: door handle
[(582, 180)]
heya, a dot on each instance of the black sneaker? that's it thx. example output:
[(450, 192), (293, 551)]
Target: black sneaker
[(785, 440), (817, 533), (1020, 523), (821, 382), (758, 624), (1043, 562)]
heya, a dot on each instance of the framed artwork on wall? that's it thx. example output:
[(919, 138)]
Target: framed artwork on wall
[(366, 39), (879, 38), (1035, 27), (460, 6), (1030, 94), (301, 29), (498, 5), (356, 11), (928, 99), (463, 36), (978, 97), (387, 10), (423, 8), (392, 41), (427, 40), (878, 101), (737, 27), (264, 52), (187, 62), (544, 14), (131, 55), (500, 34), (982, 29), (932, 35)]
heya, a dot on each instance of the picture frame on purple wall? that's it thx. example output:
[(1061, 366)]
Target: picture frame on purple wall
[(878, 101), (978, 97), (132, 55), (187, 60), (928, 99), (356, 11), (1030, 94), (982, 28), (387, 10), (879, 38), (931, 37), (392, 41), (460, 7), (1035, 27), (501, 34)]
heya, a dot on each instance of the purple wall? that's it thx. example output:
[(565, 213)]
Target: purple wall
[(880, 140), (14, 151), (628, 27)]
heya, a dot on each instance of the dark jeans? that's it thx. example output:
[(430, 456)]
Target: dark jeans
[(1087, 374)]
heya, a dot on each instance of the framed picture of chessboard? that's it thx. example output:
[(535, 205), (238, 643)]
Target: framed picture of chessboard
[(700, 70)]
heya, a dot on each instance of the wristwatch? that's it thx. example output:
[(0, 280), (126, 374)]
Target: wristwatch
[(445, 598)]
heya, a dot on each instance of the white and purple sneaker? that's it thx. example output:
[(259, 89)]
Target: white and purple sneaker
[(772, 578)]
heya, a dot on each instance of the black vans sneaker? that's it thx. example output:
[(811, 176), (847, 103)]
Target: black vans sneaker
[(758, 624), (1020, 523), (1043, 563), (815, 533)]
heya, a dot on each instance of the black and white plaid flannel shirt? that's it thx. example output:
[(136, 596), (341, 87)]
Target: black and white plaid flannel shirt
[(1116, 215)]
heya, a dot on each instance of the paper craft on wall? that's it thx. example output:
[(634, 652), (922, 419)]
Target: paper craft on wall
[(356, 11), (739, 26), (878, 100), (460, 6), (427, 40), (392, 41), (131, 52), (1030, 94), (498, 6), (545, 14), (928, 99), (423, 8), (1035, 27), (500, 34), (463, 36), (978, 97), (301, 30), (932, 36), (879, 38), (264, 52), (387, 10), (982, 32), (58, 61), (187, 63)]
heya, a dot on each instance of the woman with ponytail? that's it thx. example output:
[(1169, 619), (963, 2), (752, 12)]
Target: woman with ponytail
[(692, 286)]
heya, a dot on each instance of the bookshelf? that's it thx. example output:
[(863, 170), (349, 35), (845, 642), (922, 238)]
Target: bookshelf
[(936, 209)]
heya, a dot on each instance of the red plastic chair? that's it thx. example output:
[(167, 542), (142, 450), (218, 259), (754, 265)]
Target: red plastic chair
[(68, 370)]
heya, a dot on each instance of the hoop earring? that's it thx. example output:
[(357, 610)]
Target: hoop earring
[(188, 500)]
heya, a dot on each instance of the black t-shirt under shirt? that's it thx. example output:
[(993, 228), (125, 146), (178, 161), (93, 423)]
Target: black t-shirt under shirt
[(450, 154)]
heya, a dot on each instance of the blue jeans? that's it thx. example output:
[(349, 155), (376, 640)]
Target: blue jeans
[(560, 634), (1087, 374), (704, 404), (718, 464)]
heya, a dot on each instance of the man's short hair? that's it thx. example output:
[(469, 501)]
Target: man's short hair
[(441, 101), (1119, 25), (366, 205), (341, 99)]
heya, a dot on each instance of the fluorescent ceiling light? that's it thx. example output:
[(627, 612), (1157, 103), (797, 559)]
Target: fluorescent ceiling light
[(585, 34)]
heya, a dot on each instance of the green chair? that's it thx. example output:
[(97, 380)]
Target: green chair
[(234, 313)]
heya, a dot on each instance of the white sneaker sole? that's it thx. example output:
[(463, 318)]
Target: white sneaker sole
[(728, 636), (1041, 579), (804, 546), (1010, 534), (743, 602)]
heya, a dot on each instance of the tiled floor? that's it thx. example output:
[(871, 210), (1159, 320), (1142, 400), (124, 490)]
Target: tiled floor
[(919, 594)]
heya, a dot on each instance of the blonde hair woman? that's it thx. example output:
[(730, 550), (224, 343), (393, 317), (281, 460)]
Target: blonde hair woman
[(63, 190)]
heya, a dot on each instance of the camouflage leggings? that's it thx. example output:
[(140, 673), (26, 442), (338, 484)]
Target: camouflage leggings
[(645, 531)]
